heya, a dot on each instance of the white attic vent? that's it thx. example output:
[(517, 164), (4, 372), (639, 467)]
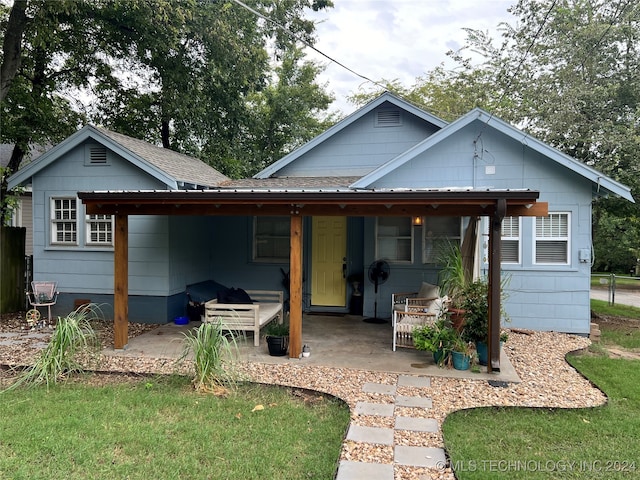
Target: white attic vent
[(388, 118)]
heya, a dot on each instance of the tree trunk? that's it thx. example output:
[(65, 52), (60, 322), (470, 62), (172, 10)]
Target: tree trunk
[(12, 46)]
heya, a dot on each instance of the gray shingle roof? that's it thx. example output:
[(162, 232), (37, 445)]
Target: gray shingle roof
[(181, 167), (278, 183)]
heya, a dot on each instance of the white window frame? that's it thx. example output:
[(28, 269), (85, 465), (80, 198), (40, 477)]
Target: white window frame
[(388, 239), (102, 226), (430, 252), (511, 234), (276, 237), (57, 223), (554, 234)]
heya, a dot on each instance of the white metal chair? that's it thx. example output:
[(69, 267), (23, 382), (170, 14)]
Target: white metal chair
[(43, 294), (415, 314)]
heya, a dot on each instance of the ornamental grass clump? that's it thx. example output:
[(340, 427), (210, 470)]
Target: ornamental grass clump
[(213, 356), (73, 339)]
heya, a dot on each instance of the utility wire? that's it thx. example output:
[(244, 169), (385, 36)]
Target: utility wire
[(306, 43)]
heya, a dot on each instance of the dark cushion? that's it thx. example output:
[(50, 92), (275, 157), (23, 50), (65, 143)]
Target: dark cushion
[(204, 291), (234, 295)]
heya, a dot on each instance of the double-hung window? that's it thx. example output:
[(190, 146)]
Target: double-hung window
[(99, 230), (439, 232), (64, 223), (552, 237), (510, 240), (271, 239), (394, 239)]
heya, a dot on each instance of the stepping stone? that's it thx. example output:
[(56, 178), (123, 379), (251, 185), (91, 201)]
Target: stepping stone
[(404, 401), (10, 335), (382, 436), (413, 381), (416, 424), (8, 343), (379, 388), (380, 409), (420, 456), (364, 471)]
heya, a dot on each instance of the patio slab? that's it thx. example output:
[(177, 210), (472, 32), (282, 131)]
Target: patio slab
[(364, 471), (420, 456), (381, 436), (335, 341)]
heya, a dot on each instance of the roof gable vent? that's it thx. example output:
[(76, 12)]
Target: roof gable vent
[(96, 155), (388, 118)]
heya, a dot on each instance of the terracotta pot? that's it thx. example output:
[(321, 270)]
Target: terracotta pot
[(457, 318)]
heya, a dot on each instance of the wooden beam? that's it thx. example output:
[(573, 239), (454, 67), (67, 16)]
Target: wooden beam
[(121, 282), (495, 233), (295, 289)]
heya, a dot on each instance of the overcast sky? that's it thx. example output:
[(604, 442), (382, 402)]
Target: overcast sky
[(396, 39)]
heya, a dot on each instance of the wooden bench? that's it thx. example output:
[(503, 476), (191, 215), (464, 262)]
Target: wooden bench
[(247, 316)]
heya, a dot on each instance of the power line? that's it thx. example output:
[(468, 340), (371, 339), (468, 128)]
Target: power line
[(306, 43)]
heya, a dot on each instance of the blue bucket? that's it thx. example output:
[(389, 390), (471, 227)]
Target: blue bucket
[(181, 320)]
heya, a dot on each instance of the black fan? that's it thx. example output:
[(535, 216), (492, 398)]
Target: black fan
[(379, 272)]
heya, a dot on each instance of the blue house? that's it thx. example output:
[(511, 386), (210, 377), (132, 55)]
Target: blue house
[(389, 182)]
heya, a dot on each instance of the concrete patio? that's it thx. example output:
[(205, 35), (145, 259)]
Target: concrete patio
[(334, 340)]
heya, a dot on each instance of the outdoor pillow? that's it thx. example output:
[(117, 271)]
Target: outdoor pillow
[(234, 295), (428, 290)]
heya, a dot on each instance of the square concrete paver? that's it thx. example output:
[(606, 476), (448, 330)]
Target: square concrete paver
[(416, 424), (382, 436), (414, 381), (420, 456), (380, 409), (364, 471), (379, 388), (405, 401)]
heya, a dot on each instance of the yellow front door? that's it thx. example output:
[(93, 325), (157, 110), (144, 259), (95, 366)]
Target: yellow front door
[(328, 261)]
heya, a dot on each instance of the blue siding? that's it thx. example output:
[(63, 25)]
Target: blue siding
[(360, 147)]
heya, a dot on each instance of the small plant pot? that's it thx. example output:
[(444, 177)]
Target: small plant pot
[(461, 361), (483, 352), (278, 346), (440, 358)]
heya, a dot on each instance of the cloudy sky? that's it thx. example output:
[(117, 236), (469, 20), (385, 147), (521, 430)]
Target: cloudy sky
[(396, 39)]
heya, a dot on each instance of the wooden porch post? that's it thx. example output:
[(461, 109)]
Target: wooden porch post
[(295, 289), (495, 234), (121, 282)]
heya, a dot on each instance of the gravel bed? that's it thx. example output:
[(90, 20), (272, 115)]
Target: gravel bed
[(538, 357)]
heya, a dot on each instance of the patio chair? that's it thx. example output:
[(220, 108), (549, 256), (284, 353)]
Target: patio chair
[(415, 311), (43, 294)]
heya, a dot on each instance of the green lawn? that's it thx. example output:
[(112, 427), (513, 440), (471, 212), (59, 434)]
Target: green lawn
[(163, 429), (624, 334), (521, 443)]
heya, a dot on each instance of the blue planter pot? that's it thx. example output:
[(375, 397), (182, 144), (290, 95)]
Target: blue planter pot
[(460, 361), (483, 352), (438, 357)]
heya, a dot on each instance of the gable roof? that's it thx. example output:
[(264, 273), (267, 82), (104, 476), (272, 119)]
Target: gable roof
[(345, 122), (600, 181), (174, 169)]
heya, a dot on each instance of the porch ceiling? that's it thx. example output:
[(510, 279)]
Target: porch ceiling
[(338, 202)]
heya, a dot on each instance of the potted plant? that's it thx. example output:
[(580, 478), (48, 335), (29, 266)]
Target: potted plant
[(453, 279), (437, 338), (462, 353), (277, 335)]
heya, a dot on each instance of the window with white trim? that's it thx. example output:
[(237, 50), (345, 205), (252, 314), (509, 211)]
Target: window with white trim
[(99, 230), (271, 239), (552, 239), (439, 232), (64, 222), (510, 237), (394, 239)]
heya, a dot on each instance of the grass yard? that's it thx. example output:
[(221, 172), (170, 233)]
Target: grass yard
[(619, 324), (161, 428), (520, 443)]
